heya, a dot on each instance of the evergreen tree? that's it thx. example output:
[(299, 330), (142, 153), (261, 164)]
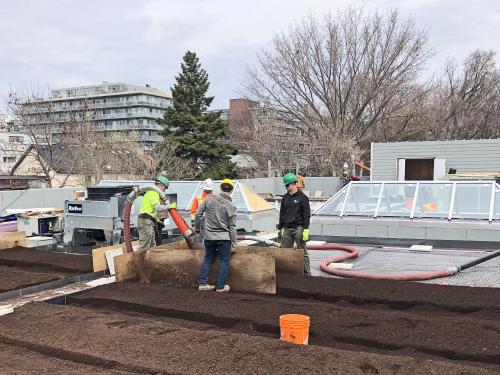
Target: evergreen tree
[(199, 136)]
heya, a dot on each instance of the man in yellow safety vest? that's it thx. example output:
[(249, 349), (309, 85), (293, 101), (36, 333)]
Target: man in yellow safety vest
[(148, 213)]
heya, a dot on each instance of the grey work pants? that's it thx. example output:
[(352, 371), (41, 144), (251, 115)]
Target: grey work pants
[(291, 235), (147, 231)]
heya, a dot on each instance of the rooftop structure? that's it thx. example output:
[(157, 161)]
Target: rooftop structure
[(433, 160), (433, 212), (254, 212)]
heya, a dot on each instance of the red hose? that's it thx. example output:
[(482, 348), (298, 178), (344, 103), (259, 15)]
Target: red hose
[(186, 232), (126, 226), (353, 253)]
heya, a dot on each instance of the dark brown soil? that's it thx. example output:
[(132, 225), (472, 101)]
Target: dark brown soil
[(55, 339), (453, 335), (12, 278), (50, 260), (21, 267), (379, 294), (18, 360)]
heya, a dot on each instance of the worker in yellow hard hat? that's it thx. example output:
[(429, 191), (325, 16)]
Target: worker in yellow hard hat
[(220, 235)]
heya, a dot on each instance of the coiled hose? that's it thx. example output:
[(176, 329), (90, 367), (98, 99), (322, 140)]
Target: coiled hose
[(352, 253)]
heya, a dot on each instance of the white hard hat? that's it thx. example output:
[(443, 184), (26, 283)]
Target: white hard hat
[(208, 184)]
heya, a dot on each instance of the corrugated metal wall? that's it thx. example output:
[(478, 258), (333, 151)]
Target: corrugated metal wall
[(465, 156)]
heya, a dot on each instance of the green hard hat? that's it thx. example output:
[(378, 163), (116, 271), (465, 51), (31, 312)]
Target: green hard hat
[(289, 178), (163, 180)]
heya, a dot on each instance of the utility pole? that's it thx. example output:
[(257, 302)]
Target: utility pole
[(269, 169)]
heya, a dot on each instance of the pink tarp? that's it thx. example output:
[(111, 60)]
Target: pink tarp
[(8, 226)]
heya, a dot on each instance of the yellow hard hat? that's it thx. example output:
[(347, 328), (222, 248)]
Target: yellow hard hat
[(227, 181)]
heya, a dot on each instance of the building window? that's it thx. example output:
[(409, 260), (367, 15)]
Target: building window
[(16, 139)]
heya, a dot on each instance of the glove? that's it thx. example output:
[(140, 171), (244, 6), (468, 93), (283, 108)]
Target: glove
[(173, 205), (305, 235)]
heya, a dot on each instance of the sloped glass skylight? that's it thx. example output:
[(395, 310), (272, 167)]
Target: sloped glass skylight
[(416, 199)]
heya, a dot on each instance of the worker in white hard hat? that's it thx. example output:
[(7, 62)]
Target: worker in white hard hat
[(208, 188)]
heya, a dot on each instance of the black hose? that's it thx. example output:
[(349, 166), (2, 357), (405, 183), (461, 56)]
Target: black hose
[(475, 262)]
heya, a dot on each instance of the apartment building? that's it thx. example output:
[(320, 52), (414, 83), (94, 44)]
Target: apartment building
[(12, 145), (112, 107)]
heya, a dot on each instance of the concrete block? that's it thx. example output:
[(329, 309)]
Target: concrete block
[(457, 234), (406, 232), (38, 241), (426, 248), (378, 231), (6, 309), (339, 230), (483, 235)]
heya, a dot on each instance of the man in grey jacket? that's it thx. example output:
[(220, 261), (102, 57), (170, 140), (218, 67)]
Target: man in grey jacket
[(220, 235)]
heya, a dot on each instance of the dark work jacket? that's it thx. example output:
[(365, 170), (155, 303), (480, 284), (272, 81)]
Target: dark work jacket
[(295, 211)]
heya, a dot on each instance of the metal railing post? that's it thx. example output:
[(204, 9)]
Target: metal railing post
[(379, 199), (414, 204)]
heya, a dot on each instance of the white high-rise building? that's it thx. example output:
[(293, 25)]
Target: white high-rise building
[(114, 107)]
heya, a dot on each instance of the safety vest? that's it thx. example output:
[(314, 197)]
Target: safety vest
[(199, 201), (148, 202)]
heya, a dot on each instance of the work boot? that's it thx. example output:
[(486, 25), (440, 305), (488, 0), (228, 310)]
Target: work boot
[(206, 287), (223, 290)]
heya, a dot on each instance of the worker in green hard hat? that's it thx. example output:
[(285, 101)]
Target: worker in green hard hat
[(295, 216), (148, 213)]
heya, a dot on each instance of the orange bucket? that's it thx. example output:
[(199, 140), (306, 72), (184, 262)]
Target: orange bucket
[(294, 328)]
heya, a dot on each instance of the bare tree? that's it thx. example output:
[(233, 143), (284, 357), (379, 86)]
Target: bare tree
[(270, 137), (116, 155), (350, 75), (69, 145), (52, 134), (466, 101), (171, 165)]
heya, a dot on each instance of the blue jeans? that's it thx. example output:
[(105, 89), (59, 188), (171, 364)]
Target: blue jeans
[(212, 248)]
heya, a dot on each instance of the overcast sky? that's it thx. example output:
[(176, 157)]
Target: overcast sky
[(49, 43)]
